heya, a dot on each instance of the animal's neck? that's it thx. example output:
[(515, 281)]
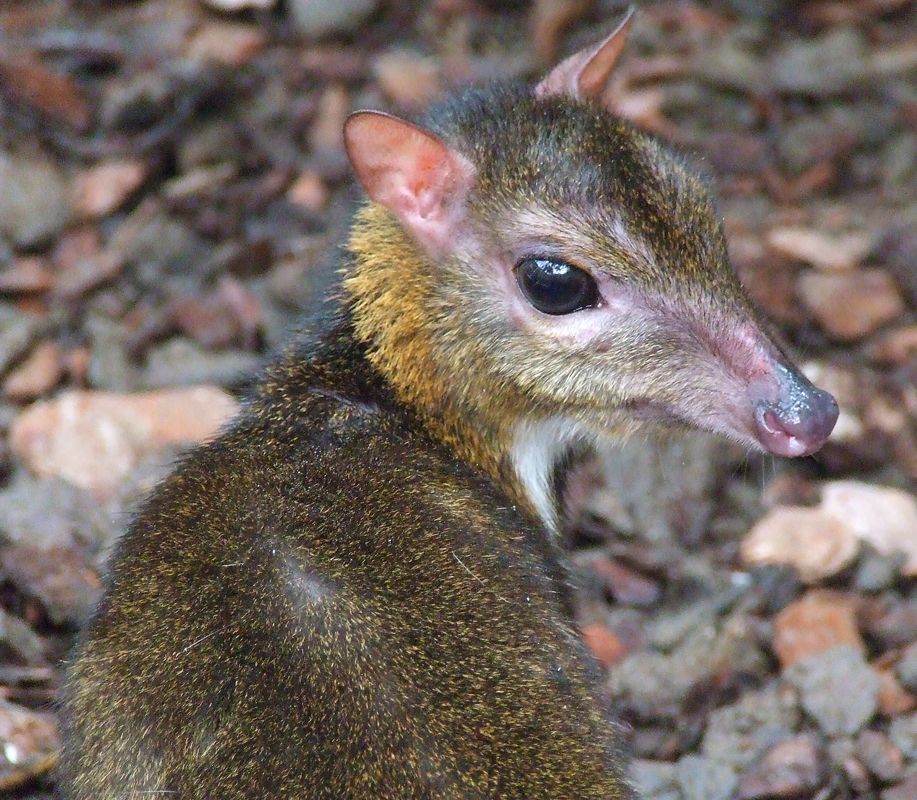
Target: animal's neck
[(439, 373)]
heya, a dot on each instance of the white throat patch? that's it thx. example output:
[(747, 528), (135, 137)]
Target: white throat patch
[(537, 446)]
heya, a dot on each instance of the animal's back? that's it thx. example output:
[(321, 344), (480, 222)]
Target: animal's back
[(325, 589)]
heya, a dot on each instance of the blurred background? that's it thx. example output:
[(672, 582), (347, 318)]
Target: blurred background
[(174, 194)]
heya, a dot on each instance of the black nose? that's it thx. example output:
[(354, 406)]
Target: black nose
[(798, 421)]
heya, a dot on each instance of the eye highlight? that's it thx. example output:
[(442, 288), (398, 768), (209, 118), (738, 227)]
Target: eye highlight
[(555, 287)]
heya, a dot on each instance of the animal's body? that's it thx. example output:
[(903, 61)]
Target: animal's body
[(356, 591)]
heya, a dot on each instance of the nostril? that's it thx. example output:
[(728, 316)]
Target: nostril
[(777, 436), (771, 421)]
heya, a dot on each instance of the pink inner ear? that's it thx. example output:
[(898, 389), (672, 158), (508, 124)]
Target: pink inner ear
[(410, 171), (585, 74)]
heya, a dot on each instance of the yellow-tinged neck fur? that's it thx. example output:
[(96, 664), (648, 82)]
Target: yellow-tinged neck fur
[(433, 362)]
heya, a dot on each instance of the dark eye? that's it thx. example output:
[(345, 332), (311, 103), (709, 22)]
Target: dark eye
[(554, 287)]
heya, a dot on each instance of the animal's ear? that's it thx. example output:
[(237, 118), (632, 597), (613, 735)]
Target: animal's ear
[(585, 74), (410, 171)]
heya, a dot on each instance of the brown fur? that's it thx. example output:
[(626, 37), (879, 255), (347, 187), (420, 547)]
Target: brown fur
[(347, 594)]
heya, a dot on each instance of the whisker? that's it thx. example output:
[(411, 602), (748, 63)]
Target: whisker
[(462, 564)]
